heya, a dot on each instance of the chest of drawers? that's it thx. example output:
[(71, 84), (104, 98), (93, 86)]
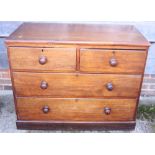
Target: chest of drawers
[(76, 75)]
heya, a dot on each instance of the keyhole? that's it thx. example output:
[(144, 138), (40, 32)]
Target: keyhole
[(113, 53)]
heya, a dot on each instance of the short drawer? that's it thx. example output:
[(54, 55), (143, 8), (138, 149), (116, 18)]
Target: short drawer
[(112, 61), (76, 109), (76, 85), (43, 59)]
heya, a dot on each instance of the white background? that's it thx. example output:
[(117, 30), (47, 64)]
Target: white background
[(77, 11)]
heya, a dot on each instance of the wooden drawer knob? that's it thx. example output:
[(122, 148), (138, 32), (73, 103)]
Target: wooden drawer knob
[(42, 60), (45, 109), (107, 110), (43, 85), (109, 86), (113, 62)]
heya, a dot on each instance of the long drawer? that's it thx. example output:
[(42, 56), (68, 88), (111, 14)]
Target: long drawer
[(76, 85), (43, 59), (76, 109), (112, 61)]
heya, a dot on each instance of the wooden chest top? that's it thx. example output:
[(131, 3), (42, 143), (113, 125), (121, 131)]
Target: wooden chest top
[(94, 34)]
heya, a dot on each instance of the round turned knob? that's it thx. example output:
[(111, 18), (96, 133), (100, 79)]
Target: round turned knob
[(113, 62), (45, 109), (42, 60), (107, 110), (43, 85), (109, 86)]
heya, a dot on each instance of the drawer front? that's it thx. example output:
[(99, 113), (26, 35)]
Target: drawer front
[(76, 85), (76, 109), (44, 59), (112, 61)]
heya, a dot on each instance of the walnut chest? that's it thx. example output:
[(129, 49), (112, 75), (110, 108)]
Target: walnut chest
[(76, 75)]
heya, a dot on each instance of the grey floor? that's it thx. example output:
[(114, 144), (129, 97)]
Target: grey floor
[(8, 118)]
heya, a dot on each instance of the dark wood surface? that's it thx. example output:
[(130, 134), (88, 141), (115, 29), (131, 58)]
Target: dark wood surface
[(96, 34), (72, 126), (76, 85)]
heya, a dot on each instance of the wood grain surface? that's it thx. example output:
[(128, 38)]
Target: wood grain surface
[(98, 61), (58, 59), (69, 33), (76, 109), (76, 75), (76, 85)]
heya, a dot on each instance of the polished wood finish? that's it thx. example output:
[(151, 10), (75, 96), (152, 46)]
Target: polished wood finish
[(75, 109), (109, 86), (76, 85), (113, 62), (68, 33), (100, 61), (57, 59), (76, 76), (107, 110), (42, 60), (43, 85), (45, 109)]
